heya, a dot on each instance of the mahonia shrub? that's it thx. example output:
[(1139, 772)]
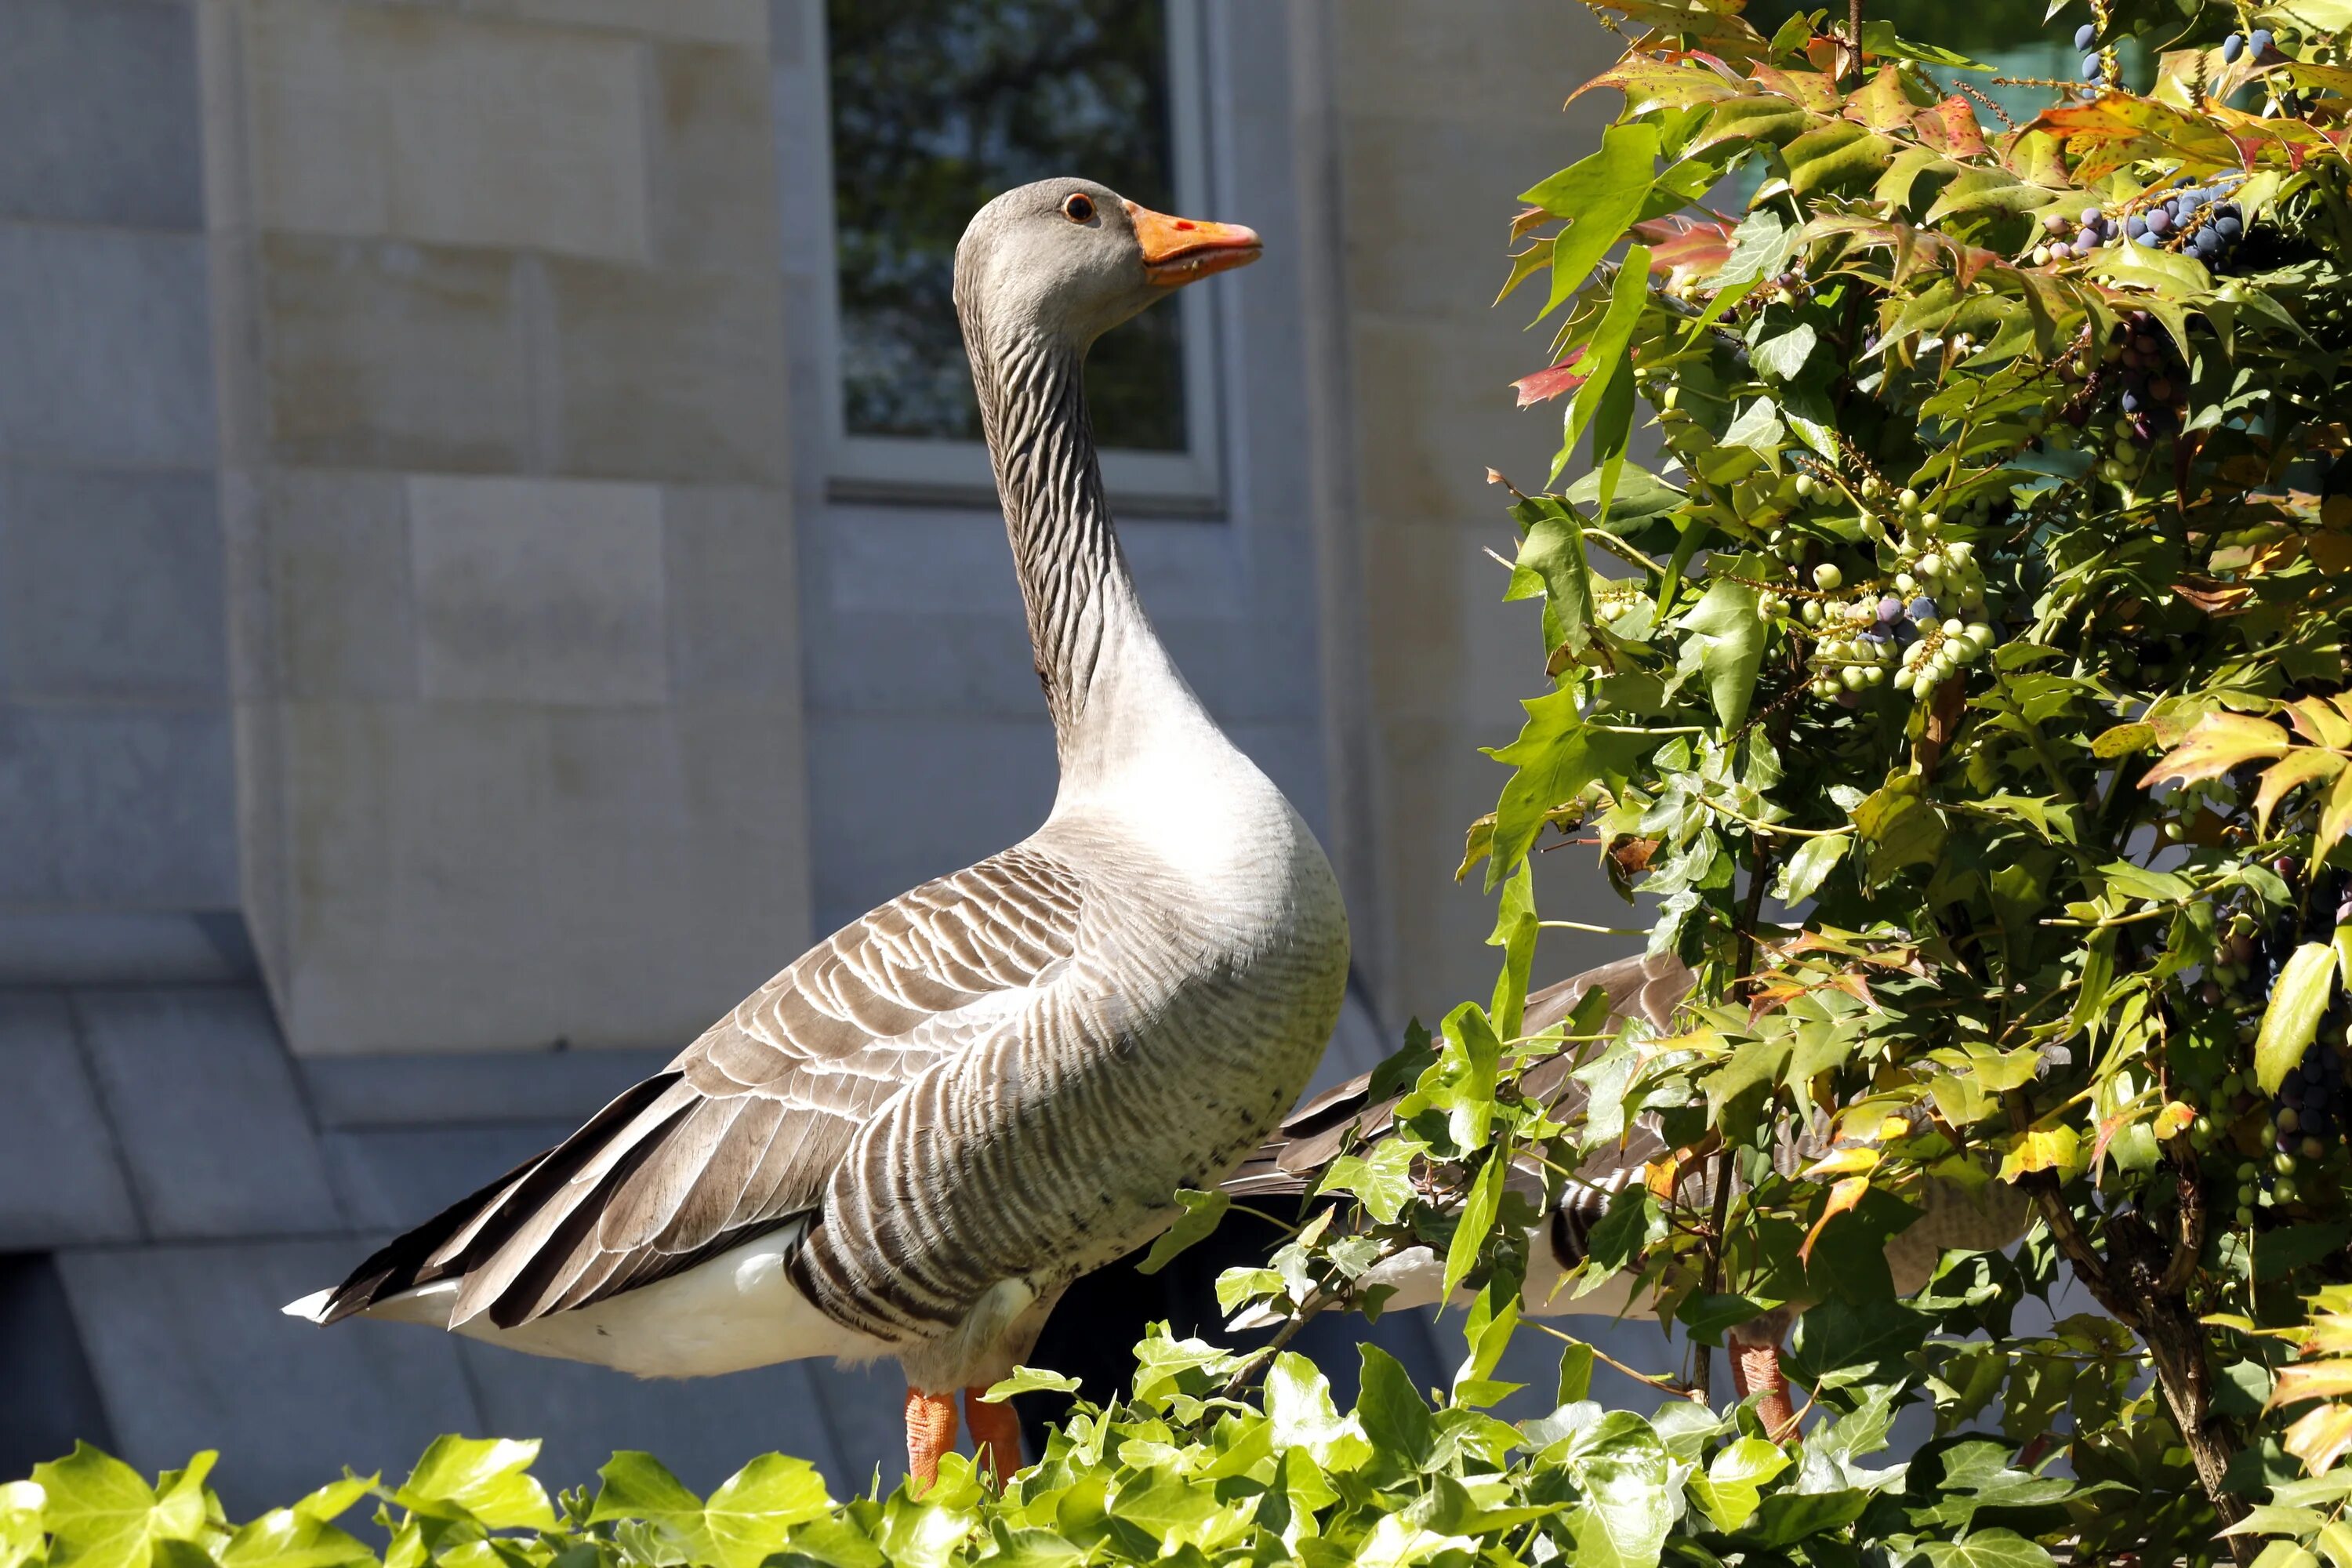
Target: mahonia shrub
[(1959, 685)]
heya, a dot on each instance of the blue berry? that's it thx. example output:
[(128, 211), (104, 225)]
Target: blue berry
[(2086, 34), (2085, 241), (2150, 241), (2231, 48), (2159, 222), (2135, 226), (1890, 610), (2228, 226), (1923, 609), (2091, 67), (2208, 244), (2259, 41)]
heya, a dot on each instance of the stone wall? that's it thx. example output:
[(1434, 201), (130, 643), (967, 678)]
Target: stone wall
[(518, 701), (1444, 112)]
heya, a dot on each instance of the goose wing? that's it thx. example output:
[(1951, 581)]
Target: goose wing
[(738, 1134)]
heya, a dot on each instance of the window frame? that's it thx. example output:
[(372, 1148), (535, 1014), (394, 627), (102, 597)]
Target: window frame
[(942, 470)]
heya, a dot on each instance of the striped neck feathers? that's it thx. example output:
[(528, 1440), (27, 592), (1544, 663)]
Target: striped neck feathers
[(1084, 615)]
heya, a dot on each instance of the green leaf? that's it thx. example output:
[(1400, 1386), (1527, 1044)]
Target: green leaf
[(1478, 1212), (1202, 1213), (1381, 1181), (1986, 1549), (1728, 635), (1515, 932), (1557, 754), (1030, 1380), (1391, 1412), (1552, 565), (638, 1485), (1802, 873), (1624, 1478), (284, 1538), (1838, 152), (2291, 1021), (1899, 827), (1734, 1481), (1627, 295), (1301, 1416), (753, 1511), (102, 1515), (485, 1479), (1599, 197), (1784, 357), (1575, 1373)]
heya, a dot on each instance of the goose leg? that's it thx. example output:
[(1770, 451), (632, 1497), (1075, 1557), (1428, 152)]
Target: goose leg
[(1756, 1369), (995, 1434), (930, 1432)]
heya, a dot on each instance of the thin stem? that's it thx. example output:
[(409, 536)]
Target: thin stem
[(1663, 1383), (1596, 931)]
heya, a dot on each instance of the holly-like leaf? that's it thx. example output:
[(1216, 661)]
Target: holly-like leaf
[(1728, 637), (2291, 1020), (1599, 197), (2214, 744)]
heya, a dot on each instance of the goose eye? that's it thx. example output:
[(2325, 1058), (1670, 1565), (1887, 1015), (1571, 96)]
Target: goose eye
[(1078, 207)]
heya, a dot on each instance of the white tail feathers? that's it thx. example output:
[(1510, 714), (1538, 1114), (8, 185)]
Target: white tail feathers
[(312, 1307)]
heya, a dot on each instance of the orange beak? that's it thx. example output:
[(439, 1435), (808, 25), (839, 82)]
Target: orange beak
[(1176, 250)]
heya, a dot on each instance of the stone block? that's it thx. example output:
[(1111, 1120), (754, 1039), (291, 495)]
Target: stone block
[(968, 665), (61, 1181), (1416, 229), (742, 22), (110, 357), (343, 606), (666, 375), (117, 807), (714, 164), (670, 850), (415, 873), (476, 877), (495, 1088), (733, 592), (381, 355), (117, 947), (98, 111), (392, 1178), (209, 1113), (902, 803), (537, 590), (111, 586), (1433, 411), (191, 1351), (704, 1430), (1490, 61), (419, 124)]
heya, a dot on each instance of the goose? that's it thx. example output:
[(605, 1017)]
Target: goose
[(1649, 987), (913, 1138)]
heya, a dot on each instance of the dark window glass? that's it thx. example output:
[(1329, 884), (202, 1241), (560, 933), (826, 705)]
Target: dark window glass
[(938, 105)]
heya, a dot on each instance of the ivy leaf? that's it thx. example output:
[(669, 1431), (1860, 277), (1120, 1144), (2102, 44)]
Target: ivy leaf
[(1389, 1410), (1381, 1180), (1478, 1212), (1551, 565), (1985, 1549), (1515, 932), (1728, 638), (1784, 357), (1202, 1213), (1030, 1380), (1733, 1483), (753, 1511), (638, 1485), (2291, 1021), (1624, 1518), (101, 1514), (483, 1479)]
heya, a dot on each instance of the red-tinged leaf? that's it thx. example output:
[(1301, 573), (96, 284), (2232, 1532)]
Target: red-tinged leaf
[(1685, 247), (1755, 117), (1814, 91), (1552, 380), (1884, 103), (2115, 129), (2214, 744), (1674, 80), (1855, 986), (2302, 767), (1951, 127), (1528, 218), (1842, 1196), (2216, 598)]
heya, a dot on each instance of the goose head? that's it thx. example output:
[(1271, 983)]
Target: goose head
[(1068, 260)]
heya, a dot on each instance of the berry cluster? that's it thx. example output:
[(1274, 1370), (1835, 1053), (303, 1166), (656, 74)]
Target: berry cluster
[(2258, 43), (2142, 368), (2086, 42), (1912, 628), (2195, 220)]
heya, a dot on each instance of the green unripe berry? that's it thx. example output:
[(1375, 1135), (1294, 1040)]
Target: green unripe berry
[(1905, 584), (2282, 1191), (2245, 1214), (1805, 485), (1904, 678), (2282, 1163), (1828, 578), (1931, 567), (1811, 613), (1931, 520), (1908, 500)]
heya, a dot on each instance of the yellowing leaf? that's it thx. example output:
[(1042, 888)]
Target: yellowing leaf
[(2335, 816), (2303, 765), (2042, 1149), (2320, 1437), (2319, 724), (1855, 1160), (2216, 744), (2173, 1118), (2291, 1021), (2312, 1380), (1842, 1196)]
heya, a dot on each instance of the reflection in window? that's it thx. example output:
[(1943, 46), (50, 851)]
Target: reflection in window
[(938, 105)]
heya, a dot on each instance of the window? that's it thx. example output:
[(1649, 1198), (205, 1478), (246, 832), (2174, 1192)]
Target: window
[(935, 107)]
